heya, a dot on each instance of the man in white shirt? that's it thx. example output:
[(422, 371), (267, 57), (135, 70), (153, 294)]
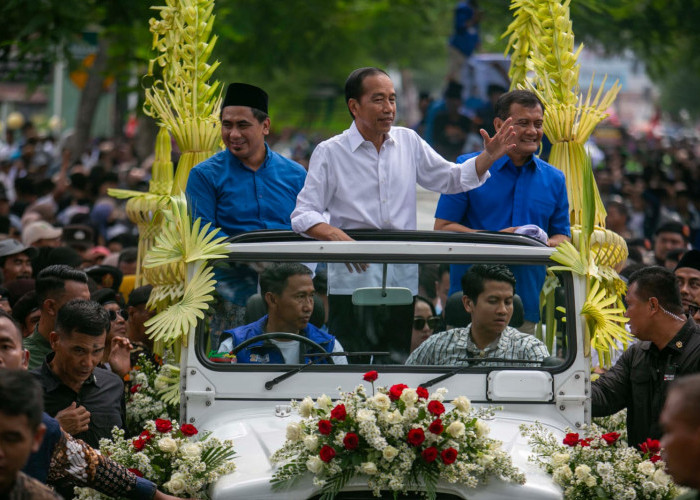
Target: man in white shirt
[(365, 178)]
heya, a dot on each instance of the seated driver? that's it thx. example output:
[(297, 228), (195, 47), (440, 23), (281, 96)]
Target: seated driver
[(288, 292), (488, 297)]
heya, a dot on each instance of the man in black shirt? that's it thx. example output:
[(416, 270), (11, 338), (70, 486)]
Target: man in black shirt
[(70, 376), (669, 348)]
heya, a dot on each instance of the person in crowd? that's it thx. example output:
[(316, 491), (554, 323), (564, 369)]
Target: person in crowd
[(442, 288), (15, 260), (365, 178), (680, 441), (288, 291), (27, 313), (105, 276), (5, 300), (114, 305), (126, 261), (488, 297), (669, 236), (505, 203), (617, 218), (63, 461), (450, 126), (55, 286), (688, 275), (88, 401), (21, 431), (668, 348), (137, 314), (425, 321), (673, 257), (465, 37), (41, 234)]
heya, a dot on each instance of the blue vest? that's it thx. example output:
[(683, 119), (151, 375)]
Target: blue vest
[(267, 352)]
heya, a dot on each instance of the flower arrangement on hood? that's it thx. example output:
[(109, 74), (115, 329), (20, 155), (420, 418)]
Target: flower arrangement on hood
[(601, 465), (177, 458), (401, 439)]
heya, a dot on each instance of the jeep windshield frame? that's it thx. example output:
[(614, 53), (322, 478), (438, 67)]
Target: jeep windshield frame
[(395, 247)]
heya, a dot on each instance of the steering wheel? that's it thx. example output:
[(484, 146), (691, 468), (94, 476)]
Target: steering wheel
[(280, 335)]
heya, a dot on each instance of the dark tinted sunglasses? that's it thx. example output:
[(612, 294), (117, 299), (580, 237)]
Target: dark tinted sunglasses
[(122, 313), (419, 323)]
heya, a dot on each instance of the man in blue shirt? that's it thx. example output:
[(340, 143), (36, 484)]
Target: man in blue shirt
[(288, 291), (243, 188), (247, 186), (523, 190)]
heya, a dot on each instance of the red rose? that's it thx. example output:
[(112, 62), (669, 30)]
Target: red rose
[(324, 427), (650, 446), (371, 376), (146, 436), (571, 439), (136, 472), (415, 437), (351, 441), (339, 412), (422, 392), (611, 437), (163, 425), (654, 458), (327, 453), (436, 407), (436, 426), (429, 454), (396, 390), (585, 442), (139, 444), (448, 455), (188, 429), (135, 388)]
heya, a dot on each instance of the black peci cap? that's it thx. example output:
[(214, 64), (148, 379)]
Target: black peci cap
[(242, 94)]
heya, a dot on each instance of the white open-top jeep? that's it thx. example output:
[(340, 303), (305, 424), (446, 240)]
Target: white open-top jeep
[(250, 402)]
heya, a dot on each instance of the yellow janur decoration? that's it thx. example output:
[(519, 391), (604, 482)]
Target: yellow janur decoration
[(181, 98), (541, 42)]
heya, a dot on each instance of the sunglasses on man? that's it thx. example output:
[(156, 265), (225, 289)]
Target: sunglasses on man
[(419, 322), (113, 314)]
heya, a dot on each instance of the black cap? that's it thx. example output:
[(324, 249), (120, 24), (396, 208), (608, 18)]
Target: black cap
[(673, 227), (453, 90), (106, 276), (242, 94), (691, 258), (140, 295)]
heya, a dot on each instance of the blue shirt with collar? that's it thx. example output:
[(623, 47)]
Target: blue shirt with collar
[(534, 193), (237, 199)]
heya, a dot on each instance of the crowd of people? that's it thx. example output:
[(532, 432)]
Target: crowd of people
[(68, 257)]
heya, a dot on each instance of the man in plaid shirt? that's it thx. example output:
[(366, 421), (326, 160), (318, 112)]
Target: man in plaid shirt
[(488, 297)]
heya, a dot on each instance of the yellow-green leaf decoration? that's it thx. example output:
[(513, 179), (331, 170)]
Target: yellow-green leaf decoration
[(541, 41), (168, 384), (180, 97), (174, 323)]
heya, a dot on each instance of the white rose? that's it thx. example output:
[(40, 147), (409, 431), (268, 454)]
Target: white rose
[(582, 472), (168, 445), (395, 417), (481, 428), (559, 459), (647, 468), (562, 475), (409, 396), (661, 478), (191, 450), (462, 403), (485, 460), (369, 468), (456, 429), (389, 453), (314, 464), (311, 442), (324, 402), (381, 401), (177, 484), (364, 415), (591, 481), (306, 407), (295, 432)]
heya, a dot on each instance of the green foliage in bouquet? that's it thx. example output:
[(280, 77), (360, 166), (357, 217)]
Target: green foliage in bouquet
[(144, 401)]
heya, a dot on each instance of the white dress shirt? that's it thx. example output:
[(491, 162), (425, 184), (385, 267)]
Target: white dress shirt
[(360, 188), (364, 189)]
